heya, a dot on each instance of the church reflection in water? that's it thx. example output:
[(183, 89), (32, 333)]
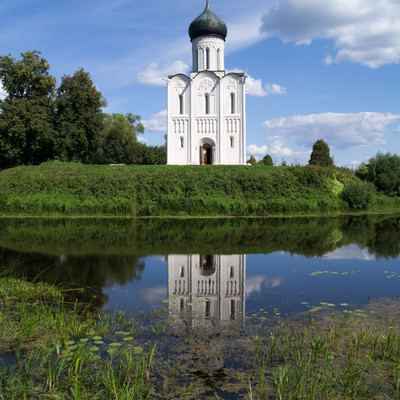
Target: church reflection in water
[(206, 290)]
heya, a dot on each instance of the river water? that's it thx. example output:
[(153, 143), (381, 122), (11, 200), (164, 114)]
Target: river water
[(224, 269)]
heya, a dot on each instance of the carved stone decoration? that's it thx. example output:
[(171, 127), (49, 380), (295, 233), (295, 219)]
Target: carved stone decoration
[(206, 83), (180, 83)]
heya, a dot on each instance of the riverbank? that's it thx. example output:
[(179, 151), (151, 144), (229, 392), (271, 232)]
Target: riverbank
[(68, 189), (50, 348)]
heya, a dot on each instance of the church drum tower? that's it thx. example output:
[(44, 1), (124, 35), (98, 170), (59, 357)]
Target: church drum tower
[(206, 112)]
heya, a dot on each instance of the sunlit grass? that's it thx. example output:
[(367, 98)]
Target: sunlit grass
[(50, 349)]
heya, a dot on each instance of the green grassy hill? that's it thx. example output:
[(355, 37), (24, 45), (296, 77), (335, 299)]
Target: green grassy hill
[(70, 189)]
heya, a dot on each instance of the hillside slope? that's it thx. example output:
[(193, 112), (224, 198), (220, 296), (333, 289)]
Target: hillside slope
[(68, 189)]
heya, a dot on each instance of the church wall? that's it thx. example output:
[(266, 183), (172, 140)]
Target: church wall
[(205, 128), (215, 48), (232, 119), (178, 119), (212, 293), (207, 108)]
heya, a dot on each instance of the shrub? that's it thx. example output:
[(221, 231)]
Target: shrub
[(384, 171), (358, 195)]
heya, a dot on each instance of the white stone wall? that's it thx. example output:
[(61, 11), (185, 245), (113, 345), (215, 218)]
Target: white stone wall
[(200, 110), (204, 297)]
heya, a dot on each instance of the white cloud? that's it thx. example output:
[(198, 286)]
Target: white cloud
[(277, 149), (273, 88), (342, 131), (255, 283), (154, 294), (352, 252), (3, 93), (245, 32), (364, 31), (157, 122), (254, 87), (253, 149), (154, 74), (142, 139)]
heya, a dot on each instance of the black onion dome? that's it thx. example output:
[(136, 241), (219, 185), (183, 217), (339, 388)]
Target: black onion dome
[(207, 24)]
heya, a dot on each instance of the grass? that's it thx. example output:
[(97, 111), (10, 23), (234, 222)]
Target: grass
[(51, 349), (68, 189)]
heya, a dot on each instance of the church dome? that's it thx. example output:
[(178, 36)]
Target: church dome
[(207, 24)]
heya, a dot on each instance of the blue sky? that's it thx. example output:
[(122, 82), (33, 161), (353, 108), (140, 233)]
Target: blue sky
[(316, 69)]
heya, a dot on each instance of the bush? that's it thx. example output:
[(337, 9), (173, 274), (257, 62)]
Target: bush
[(384, 171), (358, 195)]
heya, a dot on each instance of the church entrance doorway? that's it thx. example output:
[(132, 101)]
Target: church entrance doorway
[(206, 154)]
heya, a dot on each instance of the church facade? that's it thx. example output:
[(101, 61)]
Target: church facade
[(206, 111)]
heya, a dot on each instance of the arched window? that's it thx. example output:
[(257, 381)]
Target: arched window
[(231, 141), (207, 103), (207, 58), (233, 103), (181, 142), (218, 59), (180, 104)]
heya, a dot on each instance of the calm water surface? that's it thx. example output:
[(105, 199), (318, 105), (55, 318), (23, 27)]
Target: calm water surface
[(222, 268)]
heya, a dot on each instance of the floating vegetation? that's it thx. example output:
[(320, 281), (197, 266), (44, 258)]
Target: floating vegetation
[(315, 273)]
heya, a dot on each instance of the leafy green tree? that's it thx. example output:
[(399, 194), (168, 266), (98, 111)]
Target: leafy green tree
[(252, 160), (320, 154), (358, 195), (383, 171), (27, 114), (267, 159), (154, 155), (117, 142), (79, 118)]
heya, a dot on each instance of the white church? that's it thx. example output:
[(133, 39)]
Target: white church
[(206, 112)]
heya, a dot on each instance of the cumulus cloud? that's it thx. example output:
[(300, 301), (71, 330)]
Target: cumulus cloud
[(364, 31), (253, 149), (154, 294), (255, 283), (342, 131), (157, 122), (254, 87), (141, 139), (276, 148), (154, 74), (352, 252)]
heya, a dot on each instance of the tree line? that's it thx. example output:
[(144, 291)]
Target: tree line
[(40, 121)]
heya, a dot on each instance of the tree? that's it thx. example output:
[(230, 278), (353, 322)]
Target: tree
[(320, 154), (267, 159), (27, 114), (117, 142), (79, 118), (252, 160), (383, 171), (154, 155)]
